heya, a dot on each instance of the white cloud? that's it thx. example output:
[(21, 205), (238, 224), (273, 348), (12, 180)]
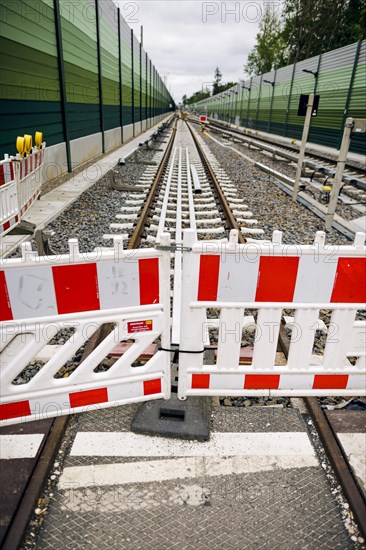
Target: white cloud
[(187, 39)]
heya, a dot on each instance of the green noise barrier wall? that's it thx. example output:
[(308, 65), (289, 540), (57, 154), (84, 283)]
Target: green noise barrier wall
[(269, 102), (72, 69)]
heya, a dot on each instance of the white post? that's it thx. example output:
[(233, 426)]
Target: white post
[(305, 132), (343, 152)]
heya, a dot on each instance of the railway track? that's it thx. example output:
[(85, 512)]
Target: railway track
[(354, 177), (187, 189)]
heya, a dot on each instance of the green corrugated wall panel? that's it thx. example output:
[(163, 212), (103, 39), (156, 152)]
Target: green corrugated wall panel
[(126, 70), (30, 91), (136, 71), (110, 65), (332, 88), (303, 85), (357, 106), (79, 42), (333, 83), (27, 73), (143, 82), (29, 23), (78, 27)]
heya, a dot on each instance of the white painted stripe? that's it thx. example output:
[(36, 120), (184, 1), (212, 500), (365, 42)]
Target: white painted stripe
[(237, 278), (296, 381), (315, 278), (31, 291), (357, 382), (354, 445), (127, 498), (19, 446), (118, 283), (220, 444), (179, 468), (228, 381), (116, 392)]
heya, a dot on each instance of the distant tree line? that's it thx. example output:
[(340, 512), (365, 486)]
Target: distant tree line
[(217, 87), (304, 29)]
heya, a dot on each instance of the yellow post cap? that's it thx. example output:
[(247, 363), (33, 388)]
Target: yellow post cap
[(20, 145), (27, 143), (38, 139)]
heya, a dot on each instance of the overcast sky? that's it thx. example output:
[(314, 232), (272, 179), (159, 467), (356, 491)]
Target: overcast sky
[(187, 39)]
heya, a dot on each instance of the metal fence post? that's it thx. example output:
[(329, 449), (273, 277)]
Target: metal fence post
[(249, 98), (61, 73), (289, 98), (342, 157), (349, 93), (132, 86), (120, 72), (146, 96), (304, 138), (271, 104), (100, 82), (141, 82), (258, 102)]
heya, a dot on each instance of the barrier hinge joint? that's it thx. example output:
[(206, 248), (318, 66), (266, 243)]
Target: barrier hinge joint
[(174, 248)]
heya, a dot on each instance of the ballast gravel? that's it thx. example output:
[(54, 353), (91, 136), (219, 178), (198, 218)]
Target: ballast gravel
[(270, 205)]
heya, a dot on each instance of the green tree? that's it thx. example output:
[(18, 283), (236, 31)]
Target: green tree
[(267, 54), (217, 82), (312, 27), (197, 96), (305, 29)]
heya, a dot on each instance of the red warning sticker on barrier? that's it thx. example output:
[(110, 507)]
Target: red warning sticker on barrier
[(140, 326)]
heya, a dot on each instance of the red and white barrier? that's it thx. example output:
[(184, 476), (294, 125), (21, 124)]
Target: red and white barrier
[(20, 186), (79, 292), (271, 278)]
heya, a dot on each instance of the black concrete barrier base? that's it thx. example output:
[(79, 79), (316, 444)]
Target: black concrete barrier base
[(189, 419), (23, 228)]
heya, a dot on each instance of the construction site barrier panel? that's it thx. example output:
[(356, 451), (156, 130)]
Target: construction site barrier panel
[(235, 298), (72, 296), (20, 186)]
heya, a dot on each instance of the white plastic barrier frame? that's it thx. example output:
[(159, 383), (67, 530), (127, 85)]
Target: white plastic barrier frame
[(129, 289), (20, 186), (271, 277)]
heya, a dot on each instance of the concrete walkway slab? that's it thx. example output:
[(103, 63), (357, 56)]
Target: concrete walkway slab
[(256, 484)]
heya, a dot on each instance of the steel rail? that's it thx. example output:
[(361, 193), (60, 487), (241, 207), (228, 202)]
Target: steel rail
[(16, 531), (233, 224), (140, 226), (333, 450), (264, 139)]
